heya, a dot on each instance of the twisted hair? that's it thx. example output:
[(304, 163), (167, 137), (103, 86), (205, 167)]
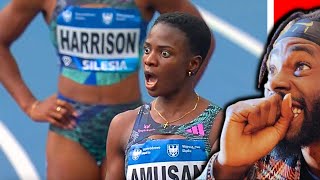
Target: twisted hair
[(196, 30), (290, 18)]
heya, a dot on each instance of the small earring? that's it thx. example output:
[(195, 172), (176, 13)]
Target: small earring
[(190, 73)]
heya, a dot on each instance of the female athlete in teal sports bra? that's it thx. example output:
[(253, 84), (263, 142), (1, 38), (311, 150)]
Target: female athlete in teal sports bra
[(98, 46), (173, 136)]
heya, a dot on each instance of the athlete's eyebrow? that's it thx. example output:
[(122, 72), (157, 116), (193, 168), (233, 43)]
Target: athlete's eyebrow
[(159, 46), (146, 43)]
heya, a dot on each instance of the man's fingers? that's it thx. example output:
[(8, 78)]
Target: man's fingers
[(274, 113), (254, 120), (286, 116)]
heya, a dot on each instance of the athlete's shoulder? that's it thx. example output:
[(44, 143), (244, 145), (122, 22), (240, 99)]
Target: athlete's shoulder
[(125, 122), (26, 10), (210, 104), (34, 4), (128, 115), (168, 5)]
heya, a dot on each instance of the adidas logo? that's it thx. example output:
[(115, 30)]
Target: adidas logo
[(197, 130)]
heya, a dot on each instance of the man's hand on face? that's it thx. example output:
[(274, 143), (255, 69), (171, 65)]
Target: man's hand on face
[(253, 128)]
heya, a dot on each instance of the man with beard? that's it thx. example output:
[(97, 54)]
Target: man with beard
[(277, 137)]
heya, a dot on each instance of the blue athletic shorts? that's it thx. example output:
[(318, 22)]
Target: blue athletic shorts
[(92, 125)]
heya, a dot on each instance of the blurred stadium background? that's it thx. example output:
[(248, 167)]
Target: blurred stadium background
[(240, 29)]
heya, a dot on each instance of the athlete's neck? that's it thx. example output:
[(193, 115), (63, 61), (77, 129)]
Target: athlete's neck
[(176, 105)]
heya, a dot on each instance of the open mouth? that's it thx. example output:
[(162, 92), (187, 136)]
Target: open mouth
[(150, 79), (296, 111)]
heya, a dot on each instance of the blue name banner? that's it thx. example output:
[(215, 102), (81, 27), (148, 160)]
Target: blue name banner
[(166, 159), (100, 39)]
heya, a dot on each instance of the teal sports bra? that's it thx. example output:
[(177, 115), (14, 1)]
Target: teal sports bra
[(98, 46), (169, 158)]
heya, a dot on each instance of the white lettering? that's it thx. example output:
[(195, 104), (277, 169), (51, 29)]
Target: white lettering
[(190, 147), (145, 153), (104, 65), (186, 150), (98, 43), (151, 148)]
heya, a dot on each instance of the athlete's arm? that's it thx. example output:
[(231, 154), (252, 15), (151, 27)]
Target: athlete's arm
[(118, 137), (164, 6), (14, 19)]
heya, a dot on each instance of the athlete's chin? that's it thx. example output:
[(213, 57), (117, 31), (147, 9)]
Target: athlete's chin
[(151, 88), (152, 92)]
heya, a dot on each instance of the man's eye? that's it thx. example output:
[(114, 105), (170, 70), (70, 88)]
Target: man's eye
[(302, 66), (165, 54), (147, 50), (272, 70)]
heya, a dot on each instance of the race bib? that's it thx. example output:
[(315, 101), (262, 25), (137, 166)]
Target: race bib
[(166, 159), (99, 39)]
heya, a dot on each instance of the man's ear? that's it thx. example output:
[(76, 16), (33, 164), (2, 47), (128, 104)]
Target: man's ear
[(194, 64)]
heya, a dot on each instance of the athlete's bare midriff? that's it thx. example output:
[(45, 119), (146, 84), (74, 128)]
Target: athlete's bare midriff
[(126, 91)]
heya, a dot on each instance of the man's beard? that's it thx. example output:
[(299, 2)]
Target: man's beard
[(308, 134)]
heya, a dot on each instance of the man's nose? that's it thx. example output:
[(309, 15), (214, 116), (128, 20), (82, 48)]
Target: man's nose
[(280, 82)]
